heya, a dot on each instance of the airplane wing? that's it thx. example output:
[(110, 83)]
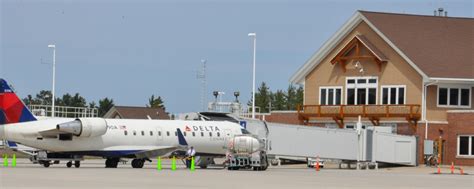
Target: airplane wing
[(160, 151)]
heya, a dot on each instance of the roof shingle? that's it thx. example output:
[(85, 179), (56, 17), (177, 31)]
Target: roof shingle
[(439, 46)]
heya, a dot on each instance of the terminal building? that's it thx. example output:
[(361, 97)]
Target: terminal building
[(409, 74)]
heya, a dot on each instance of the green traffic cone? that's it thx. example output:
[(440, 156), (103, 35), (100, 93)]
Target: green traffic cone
[(192, 163), (5, 160), (158, 164), (173, 164), (14, 160)]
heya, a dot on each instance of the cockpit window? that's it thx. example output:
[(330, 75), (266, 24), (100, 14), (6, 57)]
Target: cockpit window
[(244, 131)]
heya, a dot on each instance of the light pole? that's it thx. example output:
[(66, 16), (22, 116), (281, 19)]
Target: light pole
[(254, 35), (54, 79)]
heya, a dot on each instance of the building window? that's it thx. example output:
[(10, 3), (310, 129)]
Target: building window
[(454, 97), (361, 90), (330, 95), (466, 145), (393, 94)]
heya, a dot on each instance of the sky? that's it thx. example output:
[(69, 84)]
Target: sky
[(129, 50)]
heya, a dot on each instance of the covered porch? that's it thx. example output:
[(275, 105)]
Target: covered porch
[(411, 113)]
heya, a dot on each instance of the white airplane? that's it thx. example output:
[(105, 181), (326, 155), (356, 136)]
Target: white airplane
[(112, 139)]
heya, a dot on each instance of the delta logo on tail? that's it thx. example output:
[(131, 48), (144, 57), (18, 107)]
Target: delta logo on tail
[(12, 109)]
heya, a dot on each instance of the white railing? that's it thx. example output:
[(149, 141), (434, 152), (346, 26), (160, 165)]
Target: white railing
[(63, 111)]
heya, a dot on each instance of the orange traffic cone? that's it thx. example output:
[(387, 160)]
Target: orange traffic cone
[(439, 170), (461, 171), (452, 167), (317, 163)]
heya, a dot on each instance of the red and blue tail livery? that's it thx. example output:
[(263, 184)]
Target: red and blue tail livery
[(12, 109)]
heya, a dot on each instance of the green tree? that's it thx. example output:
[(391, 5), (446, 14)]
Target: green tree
[(155, 102), (299, 96), (291, 97), (104, 106), (29, 100), (263, 98), (92, 105), (73, 101), (279, 100), (44, 97)]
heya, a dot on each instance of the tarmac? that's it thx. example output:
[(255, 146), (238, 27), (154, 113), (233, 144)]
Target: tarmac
[(92, 174)]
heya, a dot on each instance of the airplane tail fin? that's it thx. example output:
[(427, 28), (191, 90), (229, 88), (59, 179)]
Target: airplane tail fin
[(12, 109)]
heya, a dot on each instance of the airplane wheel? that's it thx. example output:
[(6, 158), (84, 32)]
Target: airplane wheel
[(111, 162), (77, 164), (46, 164), (138, 163), (69, 164)]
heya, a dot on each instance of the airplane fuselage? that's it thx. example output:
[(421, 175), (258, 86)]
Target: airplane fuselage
[(126, 136)]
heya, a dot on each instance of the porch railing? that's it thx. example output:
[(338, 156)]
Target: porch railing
[(409, 111)]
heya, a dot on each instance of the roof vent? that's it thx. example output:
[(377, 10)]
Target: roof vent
[(440, 12)]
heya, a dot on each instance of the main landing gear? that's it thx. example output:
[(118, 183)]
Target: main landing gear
[(111, 162), (138, 163)]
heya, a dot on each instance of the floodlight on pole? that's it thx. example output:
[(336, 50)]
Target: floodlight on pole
[(254, 35), (54, 80)]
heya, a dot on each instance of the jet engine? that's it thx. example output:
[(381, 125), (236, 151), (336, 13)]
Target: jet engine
[(84, 127)]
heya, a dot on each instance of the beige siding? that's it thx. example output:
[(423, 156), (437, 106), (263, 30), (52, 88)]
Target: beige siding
[(395, 72), (435, 113)]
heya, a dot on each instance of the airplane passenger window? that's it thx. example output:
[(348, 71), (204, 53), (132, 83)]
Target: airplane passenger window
[(125, 133), (175, 133), (194, 134), (151, 133), (167, 133), (143, 133), (184, 133), (210, 134), (134, 133), (218, 134), (202, 134), (159, 133)]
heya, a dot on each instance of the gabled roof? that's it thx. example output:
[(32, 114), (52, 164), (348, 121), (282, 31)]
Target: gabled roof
[(436, 47), (130, 112)]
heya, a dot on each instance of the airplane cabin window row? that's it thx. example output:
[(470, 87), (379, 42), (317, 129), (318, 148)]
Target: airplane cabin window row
[(168, 133)]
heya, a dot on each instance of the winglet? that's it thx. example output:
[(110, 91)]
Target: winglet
[(11, 144), (181, 139)]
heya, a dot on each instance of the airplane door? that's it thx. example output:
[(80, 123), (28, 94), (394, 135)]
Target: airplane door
[(227, 137)]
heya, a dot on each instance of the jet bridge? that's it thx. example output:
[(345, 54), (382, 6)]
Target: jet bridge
[(294, 141), (297, 142)]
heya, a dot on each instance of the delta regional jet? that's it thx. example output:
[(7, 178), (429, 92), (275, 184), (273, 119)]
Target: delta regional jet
[(112, 139)]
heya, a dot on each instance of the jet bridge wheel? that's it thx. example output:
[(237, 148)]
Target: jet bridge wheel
[(138, 163)]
